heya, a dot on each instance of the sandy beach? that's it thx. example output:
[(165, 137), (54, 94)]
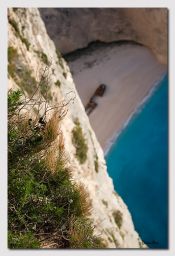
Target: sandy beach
[(129, 72)]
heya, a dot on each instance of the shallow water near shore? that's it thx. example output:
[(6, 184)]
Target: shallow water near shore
[(138, 165)]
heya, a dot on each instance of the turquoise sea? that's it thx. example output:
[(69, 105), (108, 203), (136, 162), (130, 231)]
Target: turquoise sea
[(138, 165)]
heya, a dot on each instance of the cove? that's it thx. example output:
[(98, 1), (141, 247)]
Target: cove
[(138, 164)]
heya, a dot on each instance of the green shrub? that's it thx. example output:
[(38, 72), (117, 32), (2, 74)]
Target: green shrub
[(79, 142), (118, 218), (14, 100), (22, 241), (45, 58), (45, 208)]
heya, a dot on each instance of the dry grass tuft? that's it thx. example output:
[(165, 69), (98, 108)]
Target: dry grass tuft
[(55, 156), (61, 143), (81, 235), (85, 201), (51, 159), (78, 233), (52, 128)]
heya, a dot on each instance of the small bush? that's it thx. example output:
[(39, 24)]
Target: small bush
[(96, 163), (105, 203), (43, 57), (22, 241), (65, 75), (14, 100), (60, 60), (83, 205), (81, 233), (12, 58), (25, 41), (51, 131), (58, 83), (79, 143), (118, 218)]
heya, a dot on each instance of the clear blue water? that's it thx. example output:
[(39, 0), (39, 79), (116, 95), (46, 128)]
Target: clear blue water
[(138, 165)]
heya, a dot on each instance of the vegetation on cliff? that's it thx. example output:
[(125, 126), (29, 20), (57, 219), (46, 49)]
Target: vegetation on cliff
[(79, 142), (46, 209)]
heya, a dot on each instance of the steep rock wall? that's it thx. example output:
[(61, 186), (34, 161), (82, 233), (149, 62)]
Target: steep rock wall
[(74, 28), (105, 201)]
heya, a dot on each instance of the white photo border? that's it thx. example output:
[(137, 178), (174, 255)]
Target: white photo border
[(170, 4)]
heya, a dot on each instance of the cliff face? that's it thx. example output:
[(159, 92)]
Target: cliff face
[(27, 34), (147, 26)]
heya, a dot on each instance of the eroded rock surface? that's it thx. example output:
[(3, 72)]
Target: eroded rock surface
[(74, 28)]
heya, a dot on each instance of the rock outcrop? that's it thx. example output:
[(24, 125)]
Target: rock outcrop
[(27, 34), (147, 26)]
